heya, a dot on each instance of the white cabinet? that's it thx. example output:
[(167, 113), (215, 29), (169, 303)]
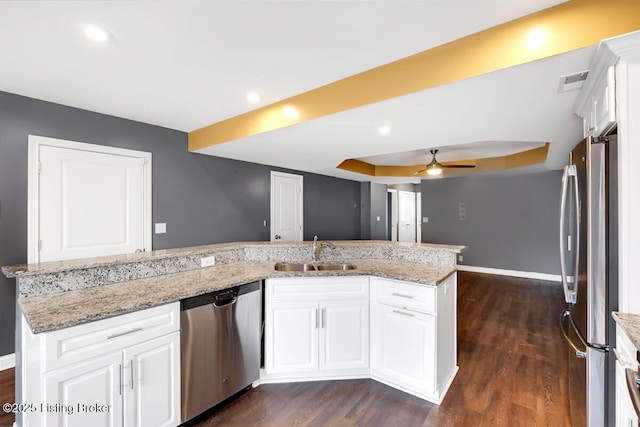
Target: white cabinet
[(316, 327), (413, 336), (344, 335), (625, 351), (94, 382), (598, 111), (400, 333), (403, 346), (152, 390), (121, 371), (291, 337)]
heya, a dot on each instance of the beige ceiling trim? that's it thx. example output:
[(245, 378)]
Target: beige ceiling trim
[(568, 26), (489, 164)]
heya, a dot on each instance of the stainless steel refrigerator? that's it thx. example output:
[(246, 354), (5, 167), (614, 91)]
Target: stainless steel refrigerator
[(588, 259)]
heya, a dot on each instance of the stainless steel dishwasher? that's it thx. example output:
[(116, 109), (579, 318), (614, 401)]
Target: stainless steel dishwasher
[(220, 346)]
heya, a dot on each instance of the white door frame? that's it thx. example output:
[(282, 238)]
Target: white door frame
[(33, 185), (300, 205), (394, 214)]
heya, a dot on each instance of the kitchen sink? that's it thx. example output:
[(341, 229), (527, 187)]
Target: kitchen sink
[(307, 266), (338, 266), (290, 266)]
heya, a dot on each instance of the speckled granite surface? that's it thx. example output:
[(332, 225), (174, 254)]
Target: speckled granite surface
[(64, 309), (62, 276), (631, 325)]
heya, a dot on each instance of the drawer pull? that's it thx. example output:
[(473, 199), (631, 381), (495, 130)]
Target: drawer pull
[(124, 333), (402, 295), (403, 313)]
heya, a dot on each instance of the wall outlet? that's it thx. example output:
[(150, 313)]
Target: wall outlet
[(161, 227), (208, 261), (378, 218), (425, 219), (460, 258)]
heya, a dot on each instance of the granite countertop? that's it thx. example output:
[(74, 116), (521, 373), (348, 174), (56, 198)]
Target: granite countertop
[(631, 325), (60, 310), (25, 270)]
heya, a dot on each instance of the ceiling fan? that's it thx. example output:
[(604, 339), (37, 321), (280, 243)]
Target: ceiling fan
[(435, 167)]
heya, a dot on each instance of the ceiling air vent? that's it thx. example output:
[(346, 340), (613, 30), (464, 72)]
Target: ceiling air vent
[(573, 81)]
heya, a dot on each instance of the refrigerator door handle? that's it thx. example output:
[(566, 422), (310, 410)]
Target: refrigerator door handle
[(581, 354), (569, 294)]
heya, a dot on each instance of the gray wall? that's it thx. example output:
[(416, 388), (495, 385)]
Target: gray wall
[(202, 199), (378, 209), (511, 220), (373, 204)]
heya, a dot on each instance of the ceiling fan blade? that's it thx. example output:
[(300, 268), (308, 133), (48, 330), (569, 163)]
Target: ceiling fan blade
[(419, 172), (457, 166)]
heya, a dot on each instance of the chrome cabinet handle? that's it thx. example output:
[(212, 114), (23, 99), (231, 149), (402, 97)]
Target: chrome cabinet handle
[(131, 373), (317, 319), (403, 313), (123, 333), (324, 317), (120, 379), (402, 295)]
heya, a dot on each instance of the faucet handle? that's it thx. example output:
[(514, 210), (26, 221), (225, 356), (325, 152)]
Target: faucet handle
[(315, 238)]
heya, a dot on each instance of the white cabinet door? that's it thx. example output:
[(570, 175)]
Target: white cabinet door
[(403, 347), (152, 383), (604, 105), (625, 414), (291, 337), (344, 335), (85, 394)]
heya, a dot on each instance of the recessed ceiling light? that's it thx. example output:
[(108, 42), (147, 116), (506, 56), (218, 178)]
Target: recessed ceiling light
[(96, 33), (291, 112), (253, 97), (384, 130), (537, 38)]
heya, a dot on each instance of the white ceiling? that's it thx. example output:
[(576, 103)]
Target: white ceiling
[(188, 64)]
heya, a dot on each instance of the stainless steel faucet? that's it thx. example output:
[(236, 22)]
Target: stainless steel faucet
[(317, 246)]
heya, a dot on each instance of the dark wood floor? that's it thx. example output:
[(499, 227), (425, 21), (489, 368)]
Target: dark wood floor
[(512, 362)]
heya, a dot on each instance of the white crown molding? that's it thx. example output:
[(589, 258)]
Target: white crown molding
[(607, 54)]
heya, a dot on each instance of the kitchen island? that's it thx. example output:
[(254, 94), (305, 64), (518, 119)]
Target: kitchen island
[(73, 314)]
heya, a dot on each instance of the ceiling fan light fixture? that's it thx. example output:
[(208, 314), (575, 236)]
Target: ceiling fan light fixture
[(433, 170)]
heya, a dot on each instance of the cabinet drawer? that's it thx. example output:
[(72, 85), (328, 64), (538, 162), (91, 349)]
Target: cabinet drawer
[(317, 289), (421, 298), (78, 343)]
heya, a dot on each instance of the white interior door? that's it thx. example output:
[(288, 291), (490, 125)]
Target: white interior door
[(286, 206), (406, 216), (87, 200), (393, 215)]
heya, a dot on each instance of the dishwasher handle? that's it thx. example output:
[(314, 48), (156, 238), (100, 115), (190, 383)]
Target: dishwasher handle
[(225, 303)]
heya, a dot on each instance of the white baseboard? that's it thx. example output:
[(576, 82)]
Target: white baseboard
[(513, 273), (8, 361)]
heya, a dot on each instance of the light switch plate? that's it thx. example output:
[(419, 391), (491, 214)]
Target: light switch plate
[(161, 227), (425, 219)]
